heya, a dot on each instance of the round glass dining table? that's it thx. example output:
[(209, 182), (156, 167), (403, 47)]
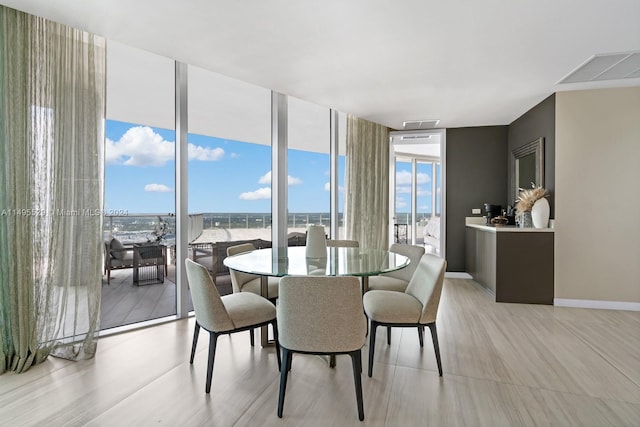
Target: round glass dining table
[(340, 261)]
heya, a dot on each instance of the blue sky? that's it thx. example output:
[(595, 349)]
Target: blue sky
[(224, 175)]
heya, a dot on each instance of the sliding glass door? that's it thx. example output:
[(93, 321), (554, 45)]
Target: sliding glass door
[(416, 190)]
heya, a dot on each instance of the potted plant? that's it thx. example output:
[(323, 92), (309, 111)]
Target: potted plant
[(532, 207)]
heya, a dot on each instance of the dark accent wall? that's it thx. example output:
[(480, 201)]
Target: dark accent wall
[(476, 173), (540, 121)]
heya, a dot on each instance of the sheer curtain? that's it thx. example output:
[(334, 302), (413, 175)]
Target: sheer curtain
[(52, 110), (367, 183)]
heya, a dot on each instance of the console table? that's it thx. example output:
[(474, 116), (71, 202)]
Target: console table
[(515, 264)]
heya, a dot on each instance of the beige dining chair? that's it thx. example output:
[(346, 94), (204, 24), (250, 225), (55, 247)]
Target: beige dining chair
[(336, 243), (245, 282), (321, 315), (399, 279), (224, 315), (416, 307)]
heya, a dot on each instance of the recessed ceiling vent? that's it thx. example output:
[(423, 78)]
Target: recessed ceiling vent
[(420, 124), (608, 66), (414, 137)]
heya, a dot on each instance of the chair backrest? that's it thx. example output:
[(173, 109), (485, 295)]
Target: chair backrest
[(342, 243), (426, 285), (321, 314), (414, 253), (238, 278), (210, 311)]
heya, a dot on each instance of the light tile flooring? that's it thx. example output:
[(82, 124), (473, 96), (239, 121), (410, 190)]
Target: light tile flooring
[(504, 365)]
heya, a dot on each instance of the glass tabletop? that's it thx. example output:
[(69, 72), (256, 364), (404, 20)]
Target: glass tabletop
[(339, 262)]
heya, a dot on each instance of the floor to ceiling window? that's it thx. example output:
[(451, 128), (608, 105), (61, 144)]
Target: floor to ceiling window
[(229, 182), (342, 149), (308, 177), (139, 187), (229, 168)]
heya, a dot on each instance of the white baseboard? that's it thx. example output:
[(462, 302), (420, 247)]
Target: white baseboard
[(457, 275), (587, 303)]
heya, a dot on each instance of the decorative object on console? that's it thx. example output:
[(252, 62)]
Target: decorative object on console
[(492, 211), (540, 213), (524, 204), (499, 220), (316, 242)]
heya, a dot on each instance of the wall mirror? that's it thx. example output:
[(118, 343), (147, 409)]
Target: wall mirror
[(527, 166)]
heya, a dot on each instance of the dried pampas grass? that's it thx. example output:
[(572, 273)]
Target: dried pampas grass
[(527, 198)]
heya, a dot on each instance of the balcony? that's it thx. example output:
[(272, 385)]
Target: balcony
[(125, 302)]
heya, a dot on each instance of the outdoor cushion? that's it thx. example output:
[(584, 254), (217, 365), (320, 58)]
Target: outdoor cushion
[(118, 251)]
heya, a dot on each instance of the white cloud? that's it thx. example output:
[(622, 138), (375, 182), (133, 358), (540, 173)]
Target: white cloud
[(423, 192), (265, 179), (327, 187), (158, 188), (291, 180), (234, 155), (403, 189), (400, 203), (404, 177), (259, 194), (204, 154), (141, 146)]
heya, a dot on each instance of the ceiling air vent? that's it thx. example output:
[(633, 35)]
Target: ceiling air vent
[(420, 124), (609, 66), (414, 137)]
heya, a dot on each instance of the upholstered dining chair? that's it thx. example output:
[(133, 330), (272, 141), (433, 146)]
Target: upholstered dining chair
[(245, 282), (335, 243), (224, 315), (399, 279), (417, 307), (321, 315)]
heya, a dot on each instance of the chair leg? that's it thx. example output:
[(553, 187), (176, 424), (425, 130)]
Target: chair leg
[(284, 373), (356, 361), (252, 338), (372, 345), (421, 335), (274, 325), (389, 335), (109, 277), (213, 338), (436, 347), (196, 333)]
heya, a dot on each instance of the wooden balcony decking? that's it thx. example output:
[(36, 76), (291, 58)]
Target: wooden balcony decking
[(124, 302)]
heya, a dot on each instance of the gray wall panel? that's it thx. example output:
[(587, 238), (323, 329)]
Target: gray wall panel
[(540, 121), (476, 174)]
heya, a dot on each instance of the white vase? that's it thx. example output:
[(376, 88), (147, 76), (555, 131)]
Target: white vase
[(316, 242), (540, 213)]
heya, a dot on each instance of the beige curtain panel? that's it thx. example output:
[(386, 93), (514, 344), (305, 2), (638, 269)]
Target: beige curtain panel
[(52, 112), (367, 183)]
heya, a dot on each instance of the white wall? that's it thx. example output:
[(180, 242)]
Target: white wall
[(597, 239)]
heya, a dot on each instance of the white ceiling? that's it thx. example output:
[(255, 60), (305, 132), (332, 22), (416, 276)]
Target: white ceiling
[(464, 62)]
